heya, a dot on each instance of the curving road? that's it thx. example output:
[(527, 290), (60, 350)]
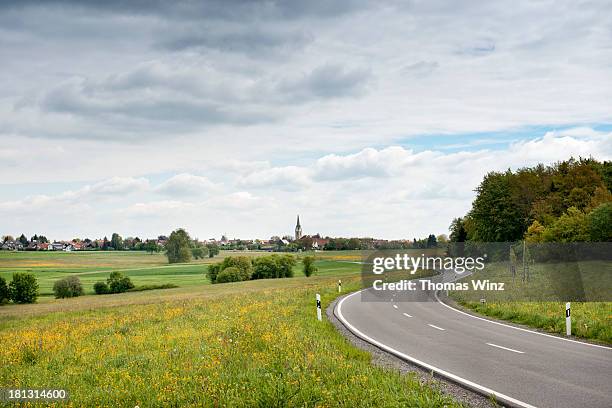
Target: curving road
[(520, 367)]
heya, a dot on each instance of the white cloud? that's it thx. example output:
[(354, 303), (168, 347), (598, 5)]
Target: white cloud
[(185, 184)]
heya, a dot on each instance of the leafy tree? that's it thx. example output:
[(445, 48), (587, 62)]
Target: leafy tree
[(67, 287), (431, 241), (116, 241), (178, 247), (458, 232), (23, 288), (105, 244), (600, 223), (309, 267), (4, 291), (7, 238), (572, 226), (535, 232), (151, 247), (199, 252), (213, 249), (42, 239), (119, 283)]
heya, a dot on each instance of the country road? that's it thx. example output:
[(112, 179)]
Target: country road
[(521, 367)]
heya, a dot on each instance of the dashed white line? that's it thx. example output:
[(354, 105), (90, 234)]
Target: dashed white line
[(505, 348), (435, 327), (406, 314), (395, 306)]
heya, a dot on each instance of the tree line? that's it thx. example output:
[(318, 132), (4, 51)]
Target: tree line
[(569, 201)]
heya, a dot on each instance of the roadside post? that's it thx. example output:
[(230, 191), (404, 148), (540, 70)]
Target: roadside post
[(568, 320), (319, 307), (339, 285)]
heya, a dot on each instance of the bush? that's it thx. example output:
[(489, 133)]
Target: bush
[(242, 263), (119, 283), (68, 287), (231, 274), (309, 267), (152, 287), (23, 288), (4, 292), (101, 288)]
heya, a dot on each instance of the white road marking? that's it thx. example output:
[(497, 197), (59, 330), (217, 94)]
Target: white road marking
[(519, 328), (406, 314), (505, 348), (470, 384), (395, 306), (435, 327)]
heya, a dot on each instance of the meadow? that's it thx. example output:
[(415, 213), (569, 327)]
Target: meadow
[(254, 343), (540, 302)]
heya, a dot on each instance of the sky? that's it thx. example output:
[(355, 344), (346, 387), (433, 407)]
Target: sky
[(370, 119)]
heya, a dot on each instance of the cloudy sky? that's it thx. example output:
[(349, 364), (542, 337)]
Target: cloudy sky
[(366, 118)]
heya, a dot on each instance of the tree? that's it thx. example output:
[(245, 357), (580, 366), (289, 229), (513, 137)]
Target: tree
[(457, 229), (151, 246), (600, 223), (67, 287), (34, 238), (105, 244), (431, 241), (116, 241), (309, 267), (23, 288), (7, 238), (178, 246), (572, 226), (535, 232), (4, 291), (199, 252), (23, 240), (213, 249)]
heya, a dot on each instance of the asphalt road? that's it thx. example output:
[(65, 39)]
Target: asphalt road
[(520, 367)]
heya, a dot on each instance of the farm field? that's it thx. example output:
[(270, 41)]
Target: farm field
[(590, 320), (142, 268), (254, 343)]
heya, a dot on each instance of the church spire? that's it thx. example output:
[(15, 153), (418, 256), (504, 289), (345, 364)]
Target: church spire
[(298, 229)]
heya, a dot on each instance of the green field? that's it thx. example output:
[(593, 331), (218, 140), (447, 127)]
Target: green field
[(254, 343), (142, 268)]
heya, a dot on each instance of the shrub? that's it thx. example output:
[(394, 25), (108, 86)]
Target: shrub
[(152, 287), (68, 287), (101, 288), (242, 263), (213, 271), (230, 274), (119, 283), (4, 292), (309, 267), (23, 288), (287, 262)]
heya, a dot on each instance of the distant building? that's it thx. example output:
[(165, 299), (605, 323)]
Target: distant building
[(298, 229)]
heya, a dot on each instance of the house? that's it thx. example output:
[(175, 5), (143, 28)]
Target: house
[(319, 243), (57, 246)]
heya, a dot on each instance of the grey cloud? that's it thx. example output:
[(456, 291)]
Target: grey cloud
[(327, 81)]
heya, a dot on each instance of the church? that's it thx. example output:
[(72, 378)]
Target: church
[(298, 229)]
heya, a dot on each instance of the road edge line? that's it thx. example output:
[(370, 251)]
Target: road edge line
[(482, 390), (519, 328)]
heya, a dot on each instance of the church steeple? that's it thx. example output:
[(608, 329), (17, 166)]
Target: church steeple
[(298, 229)]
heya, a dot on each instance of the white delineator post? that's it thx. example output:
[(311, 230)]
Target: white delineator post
[(319, 307), (339, 285), (568, 320)]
